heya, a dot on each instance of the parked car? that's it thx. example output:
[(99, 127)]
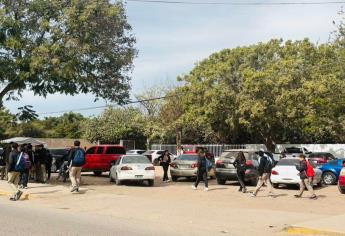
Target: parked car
[(153, 156), (331, 171), (132, 168), (341, 181), (225, 169), (294, 152), (186, 165), (99, 158), (321, 158), (193, 149), (135, 152), (58, 156), (285, 172)]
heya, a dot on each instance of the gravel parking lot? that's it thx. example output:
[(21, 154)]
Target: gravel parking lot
[(175, 209)]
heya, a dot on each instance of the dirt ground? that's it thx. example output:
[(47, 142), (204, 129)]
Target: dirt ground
[(175, 209)]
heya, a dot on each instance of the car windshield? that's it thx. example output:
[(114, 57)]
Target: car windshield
[(148, 152), (293, 150), (135, 160), (187, 158)]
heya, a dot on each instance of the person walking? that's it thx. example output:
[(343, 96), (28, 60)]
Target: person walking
[(14, 168), (265, 167), (24, 177), (2, 165), (48, 163), (202, 170), (240, 165), (164, 161), (76, 161), (302, 167), (7, 152)]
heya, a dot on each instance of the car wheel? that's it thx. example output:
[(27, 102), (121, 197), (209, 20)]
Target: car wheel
[(151, 182), (174, 178), (98, 173), (275, 185), (341, 190), (117, 181), (111, 178), (329, 178), (221, 181)]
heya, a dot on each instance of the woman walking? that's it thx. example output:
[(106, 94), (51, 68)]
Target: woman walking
[(164, 161), (240, 165), (303, 168), (24, 179)]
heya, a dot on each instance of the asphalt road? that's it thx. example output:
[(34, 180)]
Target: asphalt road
[(32, 220)]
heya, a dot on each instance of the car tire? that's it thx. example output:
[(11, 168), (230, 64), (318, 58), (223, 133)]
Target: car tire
[(329, 178), (275, 185), (221, 181), (98, 173), (341, 190), (111, 178), (174, 178), (151, 182), (117, 181)]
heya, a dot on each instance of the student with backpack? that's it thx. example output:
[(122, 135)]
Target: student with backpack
[(302, 167), (204, 165), (16, 165), (240, 165), (24, 177), (76, 161), (265, 167)]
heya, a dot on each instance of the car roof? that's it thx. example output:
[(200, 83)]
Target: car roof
[(242, 150)]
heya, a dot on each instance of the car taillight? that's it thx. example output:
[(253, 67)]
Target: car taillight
[(274, 172), (173, 165), (249, 163), (194, 165), (150, 168), (126, 168), (219, 164)]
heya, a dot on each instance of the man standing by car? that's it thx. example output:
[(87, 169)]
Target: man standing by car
[(302, 167), (265, 168), (13, 174), (76, 161), (164, 161)]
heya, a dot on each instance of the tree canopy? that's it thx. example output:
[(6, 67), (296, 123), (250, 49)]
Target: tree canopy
[(65, 46)]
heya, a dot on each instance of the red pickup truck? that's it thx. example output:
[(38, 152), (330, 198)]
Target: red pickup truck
[(99, 157)]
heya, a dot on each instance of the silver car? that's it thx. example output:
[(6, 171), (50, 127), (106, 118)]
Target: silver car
[(186, 166)]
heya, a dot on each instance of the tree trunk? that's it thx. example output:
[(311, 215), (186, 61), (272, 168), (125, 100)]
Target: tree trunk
[(270, 144)]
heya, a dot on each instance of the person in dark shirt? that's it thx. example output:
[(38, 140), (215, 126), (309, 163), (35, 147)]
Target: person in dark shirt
[(13, 175), (202, 170), (164, 161), (302, 168), (240, 165)]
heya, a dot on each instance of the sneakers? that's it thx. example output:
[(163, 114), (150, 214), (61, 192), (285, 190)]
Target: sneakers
[(314, 197), (168, 181), (205, 189), (240, 189), (13, 199), (297, 196), (74, 189), (253, 195), (193, 187), (244, 190), (18, 195)]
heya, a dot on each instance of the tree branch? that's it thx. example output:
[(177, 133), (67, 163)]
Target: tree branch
[(3, 93)]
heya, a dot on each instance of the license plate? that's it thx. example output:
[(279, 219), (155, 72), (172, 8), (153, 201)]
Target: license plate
[(184, 166), (139, 176)]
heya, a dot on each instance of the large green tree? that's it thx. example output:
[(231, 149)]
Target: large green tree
[(65, 46)]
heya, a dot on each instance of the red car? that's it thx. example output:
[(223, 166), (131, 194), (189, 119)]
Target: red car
[(99, 158), (192, 149), (321, 158), (341, 181)]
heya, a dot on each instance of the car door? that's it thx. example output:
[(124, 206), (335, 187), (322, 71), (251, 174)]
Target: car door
[(90, 159), (99, 158)]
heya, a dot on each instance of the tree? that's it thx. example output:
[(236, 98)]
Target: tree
[(7, 120), (65, 46), (113, 125)]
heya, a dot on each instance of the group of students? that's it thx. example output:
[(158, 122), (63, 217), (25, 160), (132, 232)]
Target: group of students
[(266, 164), (22, 163)]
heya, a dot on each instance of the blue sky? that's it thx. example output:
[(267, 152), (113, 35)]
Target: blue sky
[(172, 38)]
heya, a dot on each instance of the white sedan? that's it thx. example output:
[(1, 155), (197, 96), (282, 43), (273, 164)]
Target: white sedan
[(285, 172), (132, 168)]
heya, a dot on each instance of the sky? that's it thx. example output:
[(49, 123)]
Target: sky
[(171, 39)]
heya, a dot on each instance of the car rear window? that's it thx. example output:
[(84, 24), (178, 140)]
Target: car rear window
[(100, 150), (288, 162), (293, 150), (188, 158), (233, 155), (115, 150), (135, 159), (148, 153)]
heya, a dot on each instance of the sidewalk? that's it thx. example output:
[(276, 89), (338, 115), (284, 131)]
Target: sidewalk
[(332, 225)]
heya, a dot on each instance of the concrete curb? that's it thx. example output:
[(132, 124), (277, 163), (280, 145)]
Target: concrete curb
[(309, 231)]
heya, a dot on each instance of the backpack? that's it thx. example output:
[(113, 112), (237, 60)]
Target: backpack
[(269, 162), (208, 164), (20, 163), (310, 170), (79, 158), (27, 162)]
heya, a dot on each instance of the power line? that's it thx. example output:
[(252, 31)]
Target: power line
[(238, 3), (105, 106)]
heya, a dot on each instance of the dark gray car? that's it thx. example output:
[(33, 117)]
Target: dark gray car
[(225, 169)]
